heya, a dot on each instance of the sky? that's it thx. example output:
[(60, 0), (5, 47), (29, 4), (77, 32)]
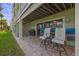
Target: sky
[(7, 11)]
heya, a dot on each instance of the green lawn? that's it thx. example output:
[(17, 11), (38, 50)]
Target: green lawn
[(8, 45)]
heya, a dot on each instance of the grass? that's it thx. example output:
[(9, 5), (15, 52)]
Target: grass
[(8, 45)]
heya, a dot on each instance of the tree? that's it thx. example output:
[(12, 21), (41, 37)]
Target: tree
[(0, 8), (3, 25), (1, 15)]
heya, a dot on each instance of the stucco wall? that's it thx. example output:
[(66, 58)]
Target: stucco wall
[(69, 19)]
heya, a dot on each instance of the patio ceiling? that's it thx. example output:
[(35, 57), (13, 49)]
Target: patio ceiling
[(48, 9)]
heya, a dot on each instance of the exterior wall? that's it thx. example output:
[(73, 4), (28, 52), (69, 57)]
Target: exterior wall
[(16, 10), (69, 19), (17, 29), (20, 10)]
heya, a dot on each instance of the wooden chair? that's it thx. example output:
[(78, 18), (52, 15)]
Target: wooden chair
[(60, 40)]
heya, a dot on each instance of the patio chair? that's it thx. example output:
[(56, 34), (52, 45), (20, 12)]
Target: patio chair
[(60, 40), (45, 36)]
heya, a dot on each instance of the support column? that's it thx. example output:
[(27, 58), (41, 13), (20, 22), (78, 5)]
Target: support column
[(20, 29), (77, 29)]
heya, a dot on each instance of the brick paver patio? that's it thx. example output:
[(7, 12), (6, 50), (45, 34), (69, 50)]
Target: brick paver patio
[(31, 47)]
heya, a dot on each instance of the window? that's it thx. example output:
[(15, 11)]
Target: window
[(58, 23)]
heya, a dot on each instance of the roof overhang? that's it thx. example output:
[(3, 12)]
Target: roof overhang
[(46, 9), (27, 11)]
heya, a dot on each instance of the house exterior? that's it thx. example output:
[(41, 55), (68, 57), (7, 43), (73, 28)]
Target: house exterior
[(33, 17)]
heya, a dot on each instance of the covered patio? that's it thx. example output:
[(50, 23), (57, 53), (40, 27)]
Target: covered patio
[(28, 28)]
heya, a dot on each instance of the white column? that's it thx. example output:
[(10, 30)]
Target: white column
[(77, 29), (20, 29)]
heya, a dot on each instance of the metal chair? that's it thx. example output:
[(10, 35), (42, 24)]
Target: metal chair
[(59, 40), (45, 36)]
